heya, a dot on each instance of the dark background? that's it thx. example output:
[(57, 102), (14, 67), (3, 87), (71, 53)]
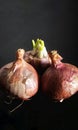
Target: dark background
[(54, 21)]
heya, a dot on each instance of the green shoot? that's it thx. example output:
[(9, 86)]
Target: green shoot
[(39, 48)]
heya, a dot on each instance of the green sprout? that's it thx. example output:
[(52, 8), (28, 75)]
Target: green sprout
[(39, 44), (33, 43), (39, 48)]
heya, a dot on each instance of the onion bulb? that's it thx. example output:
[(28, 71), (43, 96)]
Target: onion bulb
[(19, 77), (38, 57), (60, 80)]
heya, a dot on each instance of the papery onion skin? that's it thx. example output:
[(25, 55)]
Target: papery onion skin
[(60, 81), (40, 64), (19, 77)]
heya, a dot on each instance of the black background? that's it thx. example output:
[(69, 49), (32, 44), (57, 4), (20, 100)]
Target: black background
[(54, 21)]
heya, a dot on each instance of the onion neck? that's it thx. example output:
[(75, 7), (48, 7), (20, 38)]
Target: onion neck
[(56, 59), (20, 54), (19, 62), (39, 49)]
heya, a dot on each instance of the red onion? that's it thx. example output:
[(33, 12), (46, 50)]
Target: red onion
[(38, 57), (60, 80), (19, 77)]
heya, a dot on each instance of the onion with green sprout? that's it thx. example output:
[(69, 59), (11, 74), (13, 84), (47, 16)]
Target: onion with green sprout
[(38, 56)]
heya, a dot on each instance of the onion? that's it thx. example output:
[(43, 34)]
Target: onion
[(60, 80), (19, 77), (38, 57)]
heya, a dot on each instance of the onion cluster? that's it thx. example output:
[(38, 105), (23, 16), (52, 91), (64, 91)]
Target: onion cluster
[(38, 67)]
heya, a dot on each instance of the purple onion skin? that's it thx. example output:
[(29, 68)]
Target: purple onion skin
[(60, 82), (39, 64), (19, 78)]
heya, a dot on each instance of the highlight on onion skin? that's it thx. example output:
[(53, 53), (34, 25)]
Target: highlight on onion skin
[(60, 80), (38, 57), (19, 77)]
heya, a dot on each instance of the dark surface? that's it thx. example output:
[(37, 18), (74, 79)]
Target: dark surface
[(56, 23), (41, 113)]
